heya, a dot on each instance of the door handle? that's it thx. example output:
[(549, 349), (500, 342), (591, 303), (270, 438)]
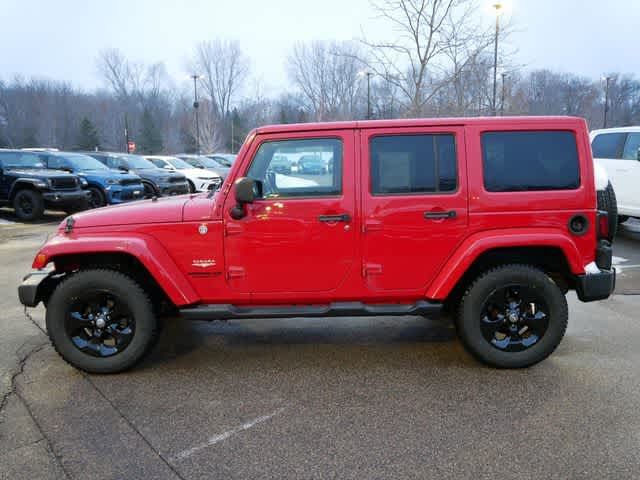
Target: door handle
[(344, 217), (440, 215)]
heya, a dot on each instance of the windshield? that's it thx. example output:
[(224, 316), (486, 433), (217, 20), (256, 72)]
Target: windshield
[(210, 163), (19, 159), (137, 163), (226, 160), (84, 162), (179, 163)]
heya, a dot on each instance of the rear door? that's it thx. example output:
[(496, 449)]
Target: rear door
[(414, 204), (299, 237)]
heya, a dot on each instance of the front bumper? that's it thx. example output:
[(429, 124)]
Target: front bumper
[(35, 286), (170, 189), (596, 286), (57, 198), (120, 194)]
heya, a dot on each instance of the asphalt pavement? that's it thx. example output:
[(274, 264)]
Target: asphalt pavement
[(390, 397)]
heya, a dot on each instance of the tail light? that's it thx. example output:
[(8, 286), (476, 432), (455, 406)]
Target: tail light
[(603, 225)]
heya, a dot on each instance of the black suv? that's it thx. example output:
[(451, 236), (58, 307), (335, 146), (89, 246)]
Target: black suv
[(29, 187), (157, 182)]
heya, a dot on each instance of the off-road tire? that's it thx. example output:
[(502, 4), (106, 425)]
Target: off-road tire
[(146, 325), (607, 202), (470, 310), (31, 197)]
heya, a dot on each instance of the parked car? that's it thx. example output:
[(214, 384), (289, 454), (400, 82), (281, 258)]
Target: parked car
[(226, 159), (106, 186), (199, 180), (157, 182), (202, 161), (494, 219), (28, 187), (617, 151), (312, 165), (281, 164)]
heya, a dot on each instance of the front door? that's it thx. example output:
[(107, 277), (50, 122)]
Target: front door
[(414, 204), (298, 238)]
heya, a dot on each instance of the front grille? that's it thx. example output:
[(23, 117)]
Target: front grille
[(63, 183), (177, 179), (129, 181)]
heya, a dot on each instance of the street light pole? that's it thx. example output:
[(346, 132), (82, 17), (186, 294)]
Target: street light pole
[(498, 7), (504, 75), (369, 95), (606, 101), (195, 108)]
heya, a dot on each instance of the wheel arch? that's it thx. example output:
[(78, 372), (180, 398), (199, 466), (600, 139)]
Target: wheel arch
[(140, 257), (552, 252), (22, 184)]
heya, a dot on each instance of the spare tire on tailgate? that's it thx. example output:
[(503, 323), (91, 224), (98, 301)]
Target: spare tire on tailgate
[(607, 202)]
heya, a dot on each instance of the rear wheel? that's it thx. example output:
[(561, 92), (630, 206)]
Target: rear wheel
[(512, 317), (607, 202), (97, 198), (101, 321), (28, 205)]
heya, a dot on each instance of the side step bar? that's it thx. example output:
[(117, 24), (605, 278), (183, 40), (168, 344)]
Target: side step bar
[(337, 309)]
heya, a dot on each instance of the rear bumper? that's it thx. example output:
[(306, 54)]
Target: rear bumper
[(596, 286)]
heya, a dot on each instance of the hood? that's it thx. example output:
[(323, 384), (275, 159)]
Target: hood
[(162, 210), (198, 173), (38, 172), (156, 173), (108, 174)]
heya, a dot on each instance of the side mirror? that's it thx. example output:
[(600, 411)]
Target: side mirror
[(168, 167), (247, 190), (123, 168)]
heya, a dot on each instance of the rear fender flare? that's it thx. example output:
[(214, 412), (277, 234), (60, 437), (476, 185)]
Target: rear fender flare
[(474, 246)]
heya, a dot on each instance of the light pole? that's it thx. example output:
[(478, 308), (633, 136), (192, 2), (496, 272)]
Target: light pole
[(606, 100), (368, 74), (195, 108), (498, 11), (504, 75)]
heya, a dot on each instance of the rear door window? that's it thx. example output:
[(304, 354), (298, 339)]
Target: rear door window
[(530, 160), (406, 164), (608, 145), (632, 147)]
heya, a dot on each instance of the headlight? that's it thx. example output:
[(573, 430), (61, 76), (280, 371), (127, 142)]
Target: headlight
[(112, 181), (164, 180), (42, 183), (84, 183)]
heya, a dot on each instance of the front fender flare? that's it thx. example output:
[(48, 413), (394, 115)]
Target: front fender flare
[(474, 246), (145, 248)]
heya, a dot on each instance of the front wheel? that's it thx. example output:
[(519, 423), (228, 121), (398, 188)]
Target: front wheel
[(512, 317), (101, 321), (97, 198), (28, 205)]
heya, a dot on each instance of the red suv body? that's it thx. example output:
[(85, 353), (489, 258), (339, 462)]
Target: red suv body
[(406, 217)]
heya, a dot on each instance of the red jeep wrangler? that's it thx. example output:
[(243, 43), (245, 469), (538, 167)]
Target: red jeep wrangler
[(494, 219)]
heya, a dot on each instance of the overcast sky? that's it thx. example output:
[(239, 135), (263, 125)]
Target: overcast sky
[(60, 39)]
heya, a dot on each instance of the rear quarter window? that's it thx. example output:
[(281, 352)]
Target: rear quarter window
[(608, 145), (530, 161)]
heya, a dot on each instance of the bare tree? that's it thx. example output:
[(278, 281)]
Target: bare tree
[(435, 41), (327, 74), (224, 68)]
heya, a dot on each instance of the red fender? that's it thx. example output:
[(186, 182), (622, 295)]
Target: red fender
[(145, 248), (474, 246)]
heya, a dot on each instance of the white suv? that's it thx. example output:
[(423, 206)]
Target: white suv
[(199, 180), (617, 150)]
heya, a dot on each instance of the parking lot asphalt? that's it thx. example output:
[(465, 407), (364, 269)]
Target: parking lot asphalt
[(391, 397)]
